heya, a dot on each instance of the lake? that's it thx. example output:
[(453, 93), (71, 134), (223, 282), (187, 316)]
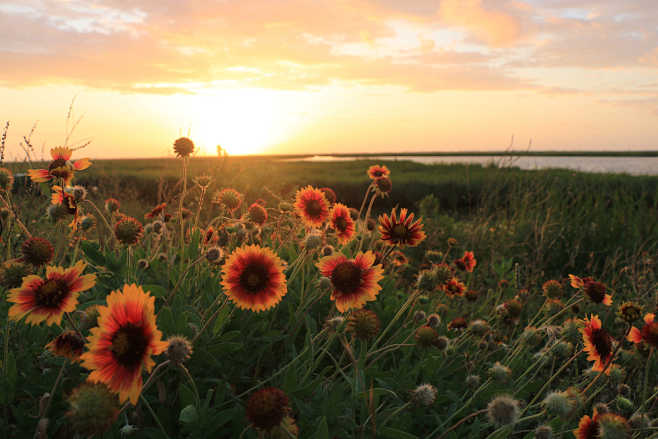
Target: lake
[(628, 165)]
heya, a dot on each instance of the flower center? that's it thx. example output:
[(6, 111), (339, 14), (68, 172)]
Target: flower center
[(254, 278), (313, 208), (346, 277), (51, 293), (71, 342), (595, 291), (129, 345), (341, 224), (602, 342), (399, 232)]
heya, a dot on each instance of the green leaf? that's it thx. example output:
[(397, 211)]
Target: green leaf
[(188, 415), (92, 252), (323, 430), (156, 290), (394, 433)]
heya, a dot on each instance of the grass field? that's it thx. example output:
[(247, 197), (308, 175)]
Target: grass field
[(425, 344)]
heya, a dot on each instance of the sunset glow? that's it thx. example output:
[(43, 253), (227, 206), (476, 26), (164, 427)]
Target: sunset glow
[(299, 76)]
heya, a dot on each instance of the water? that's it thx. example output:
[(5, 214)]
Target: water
[(628, 165)]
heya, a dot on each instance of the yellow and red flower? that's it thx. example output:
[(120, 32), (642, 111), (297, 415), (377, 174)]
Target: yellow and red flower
[(354, 281), (342, 223), (312, 206), (648, 334), (454, 287), (253, 278), (588, 428), (378, 171), (60, 167), (598, 344), (595, 290), (124, 341), (257, 214), (402, 230), (466, 262), (69, 344), (329, 194), (156, 211), (48, 299)]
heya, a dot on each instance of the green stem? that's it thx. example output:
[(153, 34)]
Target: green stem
[(155, 417)]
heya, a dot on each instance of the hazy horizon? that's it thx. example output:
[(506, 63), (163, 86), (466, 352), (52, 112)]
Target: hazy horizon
[(298, 77)]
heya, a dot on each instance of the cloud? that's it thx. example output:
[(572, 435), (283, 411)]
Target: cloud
[(495, 27)]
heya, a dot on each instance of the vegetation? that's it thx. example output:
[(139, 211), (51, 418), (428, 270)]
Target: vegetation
[(519, 305)]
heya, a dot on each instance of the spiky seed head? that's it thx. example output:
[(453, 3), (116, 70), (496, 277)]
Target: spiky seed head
[(363, 324), (56, 212), (12, 273), (553, 289), (214, 254), (420, 316), (79, 193), (183, 147), (500, 372), (93, 409), (473, 381), (629, 312), (503, 410), (424, 395), (128, 230), (617, 374), (6, 180), (426, 281), (562, 349), (571, 330), (179, 349), (112, 205), (544, 432), (639, 421), (624, 405), (37, 251), (478, 327), (557, 403), (426, 337), (313, 241), (433, 320), (613, 426)]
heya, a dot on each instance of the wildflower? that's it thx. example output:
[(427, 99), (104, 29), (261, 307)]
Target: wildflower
[(6, 180), (402, 230), (613, 426), (37, 251), (629, 312), (454, 287), (342, 223), (363, 323), (257, 214), (500, 372), (399, 259), (503, 410), (12, 273), (122, 344), (329, 194), (596, 291), (378, 171), (112, 205), (354, 281), (471, 295), (267, 407), (61, 167), (229, 198), (179, 349), (552, 289), (128, 230), (598, 344), (424, 395), (183, 147), (312, 206), (458, 323), (426, 337), (478, 327), (214, 254), (68, 344), (384, 185), (327, 250), (648, 334), (156, 211), (93, 409), (466, 262), (313, 241), (558, 404), (287, 429), (433, 320), (253, 278), (588, 428), (48, 299), (419, 316), (79, 193)]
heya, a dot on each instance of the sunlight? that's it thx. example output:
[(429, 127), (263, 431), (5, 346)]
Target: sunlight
[(242, 121)]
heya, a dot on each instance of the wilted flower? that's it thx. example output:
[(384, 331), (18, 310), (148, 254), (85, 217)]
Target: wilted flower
[(267, 407), (179, 349)]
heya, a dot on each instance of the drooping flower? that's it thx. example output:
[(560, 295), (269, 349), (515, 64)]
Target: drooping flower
[(124, 341), (648, 334), (68, 344), (253, 278), (384, 185), (402, 230), (257, 214), (48, 299), (588, 428), (377, 171), (329, 194), (596, 291), (598, 344), (355, 281), (466, 262), (183, 147), (156, 211), (312, 206), (112, 205), (342, 223), (60, 167)]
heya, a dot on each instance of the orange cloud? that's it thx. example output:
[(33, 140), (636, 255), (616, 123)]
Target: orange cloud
[(495, 27)]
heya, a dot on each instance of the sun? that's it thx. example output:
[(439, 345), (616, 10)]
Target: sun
[(241, 121)]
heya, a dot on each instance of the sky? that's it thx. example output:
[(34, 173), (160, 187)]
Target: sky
[(325, 76)]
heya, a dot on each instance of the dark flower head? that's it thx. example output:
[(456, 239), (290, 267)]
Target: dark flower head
[(183, 147), (267, 407), (37, 251)]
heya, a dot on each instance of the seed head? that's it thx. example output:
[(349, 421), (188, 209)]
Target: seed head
[(267, 407), (433, 320), (426, 337), (503, 410), (544, 432), (183, 147), (179, 349), (12, 273), (37, 251), (558, 403), (363, 324), (613, 426), (93, 409), (214, 254), (630, 312), (473, 381), (128, 230), (500, 372), (424, 395)]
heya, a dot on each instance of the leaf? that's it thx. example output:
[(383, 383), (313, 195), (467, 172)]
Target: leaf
[(92, 252), (155, 290), (323, 430), (394, 433), (188, 415)]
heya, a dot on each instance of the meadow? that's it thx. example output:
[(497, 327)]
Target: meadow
[(237, 297)]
